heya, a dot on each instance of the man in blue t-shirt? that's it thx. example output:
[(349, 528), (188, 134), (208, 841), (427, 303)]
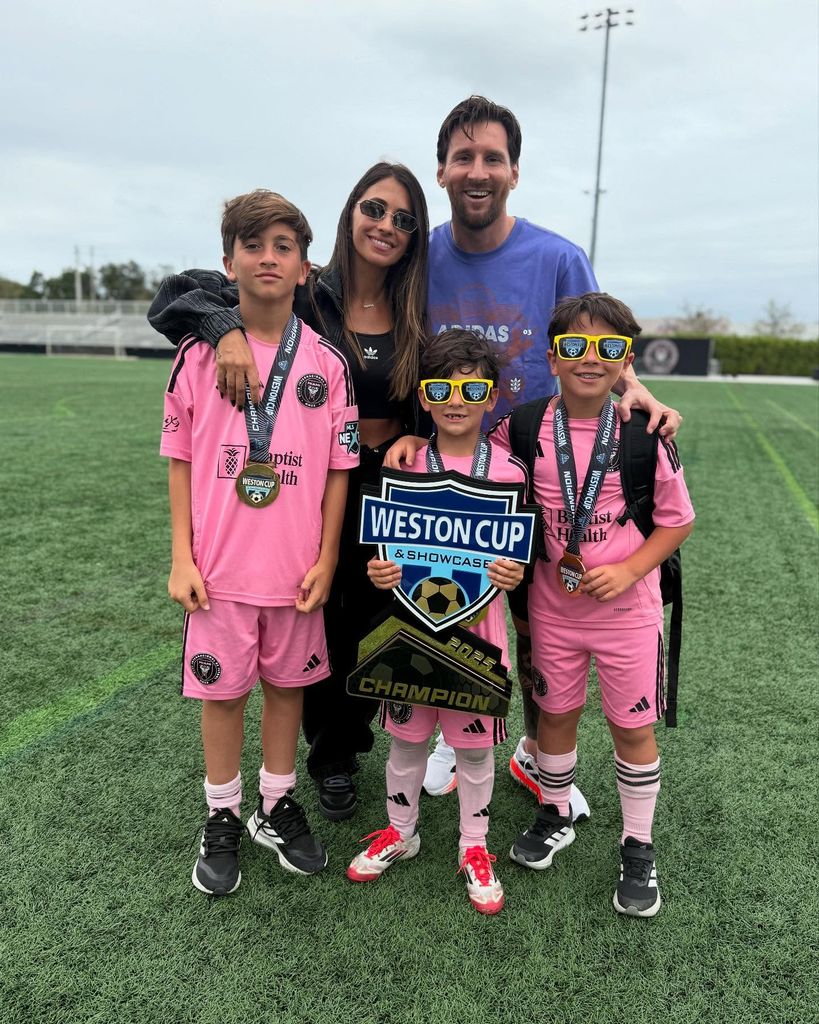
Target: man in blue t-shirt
[(502, 276)]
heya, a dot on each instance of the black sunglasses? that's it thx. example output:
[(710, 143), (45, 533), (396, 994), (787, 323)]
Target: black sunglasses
[(375, 210)]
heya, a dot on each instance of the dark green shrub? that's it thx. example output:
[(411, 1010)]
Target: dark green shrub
[(777, 357)]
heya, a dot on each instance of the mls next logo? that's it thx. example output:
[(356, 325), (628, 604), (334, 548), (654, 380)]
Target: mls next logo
[(445, 530)]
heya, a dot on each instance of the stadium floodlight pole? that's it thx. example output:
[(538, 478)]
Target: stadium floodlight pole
[(77, 279), (608, 24), (92, 275)]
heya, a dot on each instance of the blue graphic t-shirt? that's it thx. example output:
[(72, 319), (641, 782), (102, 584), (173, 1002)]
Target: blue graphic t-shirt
[(508, 295)]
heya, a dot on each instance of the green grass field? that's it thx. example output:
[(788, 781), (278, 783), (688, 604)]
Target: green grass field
[(101, 795)]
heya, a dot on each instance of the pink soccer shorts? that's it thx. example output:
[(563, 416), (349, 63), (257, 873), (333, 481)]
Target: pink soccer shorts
[(630, 666), (227, 649), (415, 723)]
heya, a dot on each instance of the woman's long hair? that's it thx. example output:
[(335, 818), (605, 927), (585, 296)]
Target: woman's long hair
[(406, 281)]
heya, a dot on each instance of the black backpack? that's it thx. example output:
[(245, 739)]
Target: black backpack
[(638, 462)]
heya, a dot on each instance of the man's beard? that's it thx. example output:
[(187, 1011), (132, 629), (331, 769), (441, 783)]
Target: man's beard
[(477, 222)]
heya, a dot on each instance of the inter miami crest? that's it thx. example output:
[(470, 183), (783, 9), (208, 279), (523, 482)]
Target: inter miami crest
[(399, 713), (445, 530), (539, 684), (206, 668), (311, 390)]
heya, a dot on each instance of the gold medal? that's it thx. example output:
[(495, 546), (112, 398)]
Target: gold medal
[(570, 571), (258, 485)]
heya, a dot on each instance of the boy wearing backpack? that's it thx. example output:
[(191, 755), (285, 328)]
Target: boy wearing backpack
[(597, 590)]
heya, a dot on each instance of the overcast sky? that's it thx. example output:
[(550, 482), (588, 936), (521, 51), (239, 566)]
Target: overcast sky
[(125, 126)]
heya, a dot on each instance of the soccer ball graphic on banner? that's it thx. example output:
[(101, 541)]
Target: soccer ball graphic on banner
[(438, 596)]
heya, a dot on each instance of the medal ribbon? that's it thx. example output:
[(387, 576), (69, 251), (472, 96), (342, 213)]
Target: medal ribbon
[(579, 512), (261, 419), (480, 459)]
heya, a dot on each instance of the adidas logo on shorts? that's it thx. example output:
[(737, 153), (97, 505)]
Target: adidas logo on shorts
[(475, 727)]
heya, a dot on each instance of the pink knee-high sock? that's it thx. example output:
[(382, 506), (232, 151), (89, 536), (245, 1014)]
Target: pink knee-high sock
[(273, 787), (406, 767), (556, 773), (227, 794), (476, 776), (638, 785)]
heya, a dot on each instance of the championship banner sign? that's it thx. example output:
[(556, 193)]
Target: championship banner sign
[(445, 530), (402, 663)]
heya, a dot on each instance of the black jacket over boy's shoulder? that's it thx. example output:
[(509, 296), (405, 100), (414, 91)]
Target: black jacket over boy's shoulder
[(205, 303)]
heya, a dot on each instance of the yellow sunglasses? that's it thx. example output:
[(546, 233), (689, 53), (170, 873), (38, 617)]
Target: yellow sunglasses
[(610, 348), (439, 390)]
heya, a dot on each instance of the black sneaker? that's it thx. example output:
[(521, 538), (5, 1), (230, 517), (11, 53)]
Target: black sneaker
[(217, 870), (637, 892), (286, 831), (337, 797), (536, 847)]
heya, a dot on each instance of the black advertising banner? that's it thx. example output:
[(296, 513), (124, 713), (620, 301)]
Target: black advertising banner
[(658, 356)]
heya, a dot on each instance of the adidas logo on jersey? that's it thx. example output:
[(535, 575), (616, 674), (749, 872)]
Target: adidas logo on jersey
[(371, 353), (314, 662), (641, 705)]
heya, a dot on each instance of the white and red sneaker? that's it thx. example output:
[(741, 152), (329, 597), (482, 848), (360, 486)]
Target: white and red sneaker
[(483, 888), (386, 848), (440, 777), (523, 769)]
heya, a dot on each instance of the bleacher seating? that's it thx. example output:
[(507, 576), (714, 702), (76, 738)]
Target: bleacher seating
[(65, 327)]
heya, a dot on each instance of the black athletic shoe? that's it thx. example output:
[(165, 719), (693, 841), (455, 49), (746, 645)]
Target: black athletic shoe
[(337, 797), (216, 872), (536, 847), (637, 892), (286, 831)]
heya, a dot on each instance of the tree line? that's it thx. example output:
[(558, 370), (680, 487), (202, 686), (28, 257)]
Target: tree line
[(775, 321), (120, 281)]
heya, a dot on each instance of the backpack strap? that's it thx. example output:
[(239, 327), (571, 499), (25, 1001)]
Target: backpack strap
[(524, 427), (638, 465), (674, 645)]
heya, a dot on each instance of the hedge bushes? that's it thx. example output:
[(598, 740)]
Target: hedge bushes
[(779, 357)]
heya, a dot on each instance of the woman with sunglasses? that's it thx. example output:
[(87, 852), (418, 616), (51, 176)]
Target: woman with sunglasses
[(370, 301)]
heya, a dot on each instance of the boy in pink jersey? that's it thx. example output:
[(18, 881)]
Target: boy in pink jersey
[(257, 501), (598, 594), (463, 374)]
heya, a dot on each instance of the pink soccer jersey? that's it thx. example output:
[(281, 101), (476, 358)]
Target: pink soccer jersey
[(503, 468), (605, 541), (260, 555)]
